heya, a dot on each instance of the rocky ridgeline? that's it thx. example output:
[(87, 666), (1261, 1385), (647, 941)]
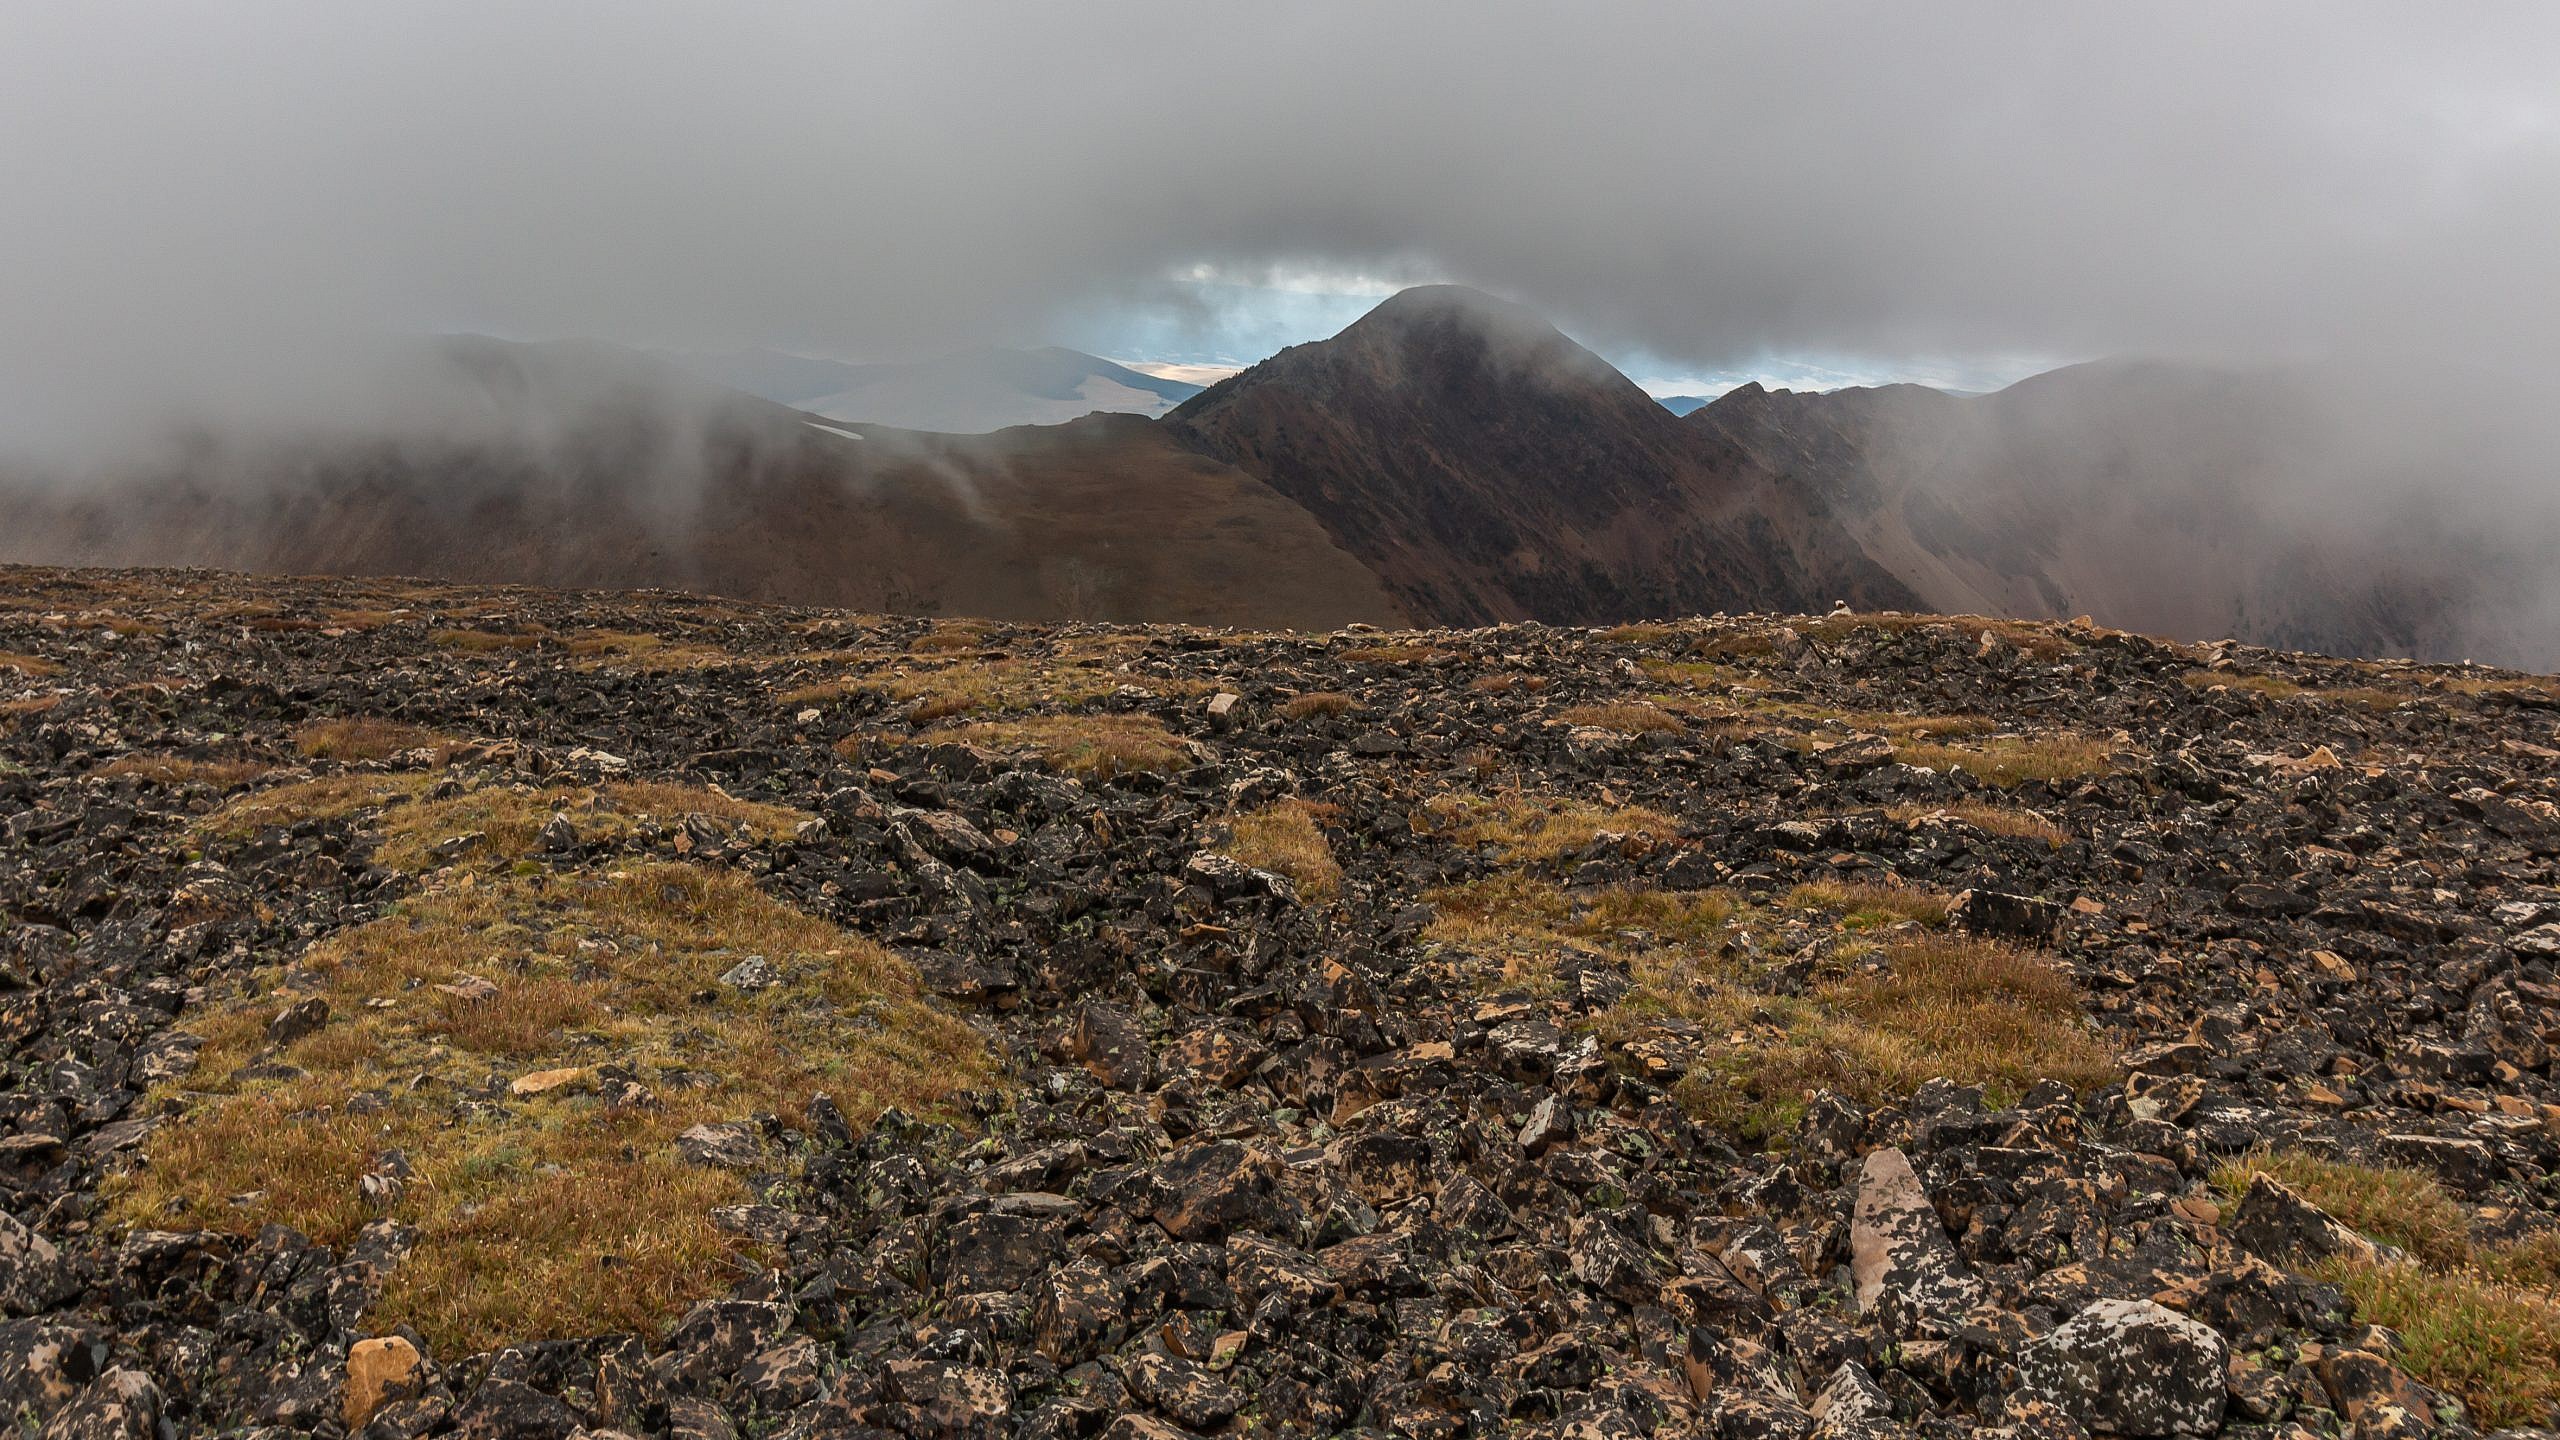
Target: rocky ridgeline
[(1271, 1150)]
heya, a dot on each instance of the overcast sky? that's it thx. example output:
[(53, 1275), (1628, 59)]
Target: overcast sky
[(193, 189)]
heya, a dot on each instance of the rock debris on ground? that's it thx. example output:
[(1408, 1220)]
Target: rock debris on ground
[(1857, 1027)]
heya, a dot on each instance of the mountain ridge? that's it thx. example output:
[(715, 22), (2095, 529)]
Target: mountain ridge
[(1449, 457), (1489, 468)]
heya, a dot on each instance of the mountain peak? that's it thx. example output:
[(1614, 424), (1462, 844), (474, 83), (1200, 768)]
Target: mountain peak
[(1426, 310), (1486, 467)]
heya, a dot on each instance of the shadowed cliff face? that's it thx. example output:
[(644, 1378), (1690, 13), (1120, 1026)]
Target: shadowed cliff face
[(1488, 468)]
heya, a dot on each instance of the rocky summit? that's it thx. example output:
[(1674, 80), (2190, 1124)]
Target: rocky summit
[(447, 1011)]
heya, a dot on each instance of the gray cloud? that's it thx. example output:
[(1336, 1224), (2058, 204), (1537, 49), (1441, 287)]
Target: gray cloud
[(216, 201)]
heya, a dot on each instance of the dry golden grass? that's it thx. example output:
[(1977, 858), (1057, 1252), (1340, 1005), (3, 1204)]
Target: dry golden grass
[(1287, 836), (1700, 674), (817, 692), (650, 654), (2480, 1321), (1752, 645), (2013, 760), (1506, 682), (2543, 686), (2493, 1345), (1973, 1011), (1638, 634), (1527, 828), (29, 705), (2276, 687), (362, 738), (1405, 653), (331, 797), (1095, 746), (1528, 923), (367, 618), (483, 642), (509, 819), (183, 770), (2029, 637), (647, 799), (34, 667), (944, 685), (947, 639), (2390, 1203), (1319, 702), (1930, 1007), (994, 687), (126, 626), (1862, 905), (1992, 819), (1625, 719), (1808, 727), (552, 1215)]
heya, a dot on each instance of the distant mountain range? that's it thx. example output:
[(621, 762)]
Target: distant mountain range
[(1447, 459), (971, 392)]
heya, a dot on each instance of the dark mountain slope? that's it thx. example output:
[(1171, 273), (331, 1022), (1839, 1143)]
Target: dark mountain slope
[(1488, 468), (2174, 499), (584, 466)]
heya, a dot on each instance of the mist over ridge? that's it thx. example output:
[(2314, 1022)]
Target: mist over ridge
[(2326, 223)]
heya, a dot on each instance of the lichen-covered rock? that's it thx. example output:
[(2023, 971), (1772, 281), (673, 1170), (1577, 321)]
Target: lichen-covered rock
[(33, 1274), (1501, 1130), (119, 1405), (1899, 1253), (2131, 1368)]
